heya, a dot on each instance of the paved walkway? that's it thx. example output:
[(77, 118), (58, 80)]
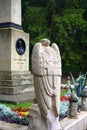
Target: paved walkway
[(11, 126)]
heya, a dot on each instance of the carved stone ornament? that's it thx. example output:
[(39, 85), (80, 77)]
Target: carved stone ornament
[(73, 106), (46, 67)]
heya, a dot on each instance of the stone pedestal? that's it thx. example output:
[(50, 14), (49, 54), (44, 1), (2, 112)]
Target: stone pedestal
[(35, 120), (15, 82), (38, 122), (15, 78), (10, 60), (73, 106)]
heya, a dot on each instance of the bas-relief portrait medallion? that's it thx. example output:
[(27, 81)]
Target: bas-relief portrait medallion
[(20, 46)]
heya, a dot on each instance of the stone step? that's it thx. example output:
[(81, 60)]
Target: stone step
[(17, 98), (15, 75), (14, 72), (12, 77), (16, 82), (16, 90)]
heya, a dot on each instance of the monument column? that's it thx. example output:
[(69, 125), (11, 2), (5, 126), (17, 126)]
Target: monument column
[(16, 80)]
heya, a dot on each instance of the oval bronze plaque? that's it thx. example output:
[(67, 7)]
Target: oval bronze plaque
[(20, 46)]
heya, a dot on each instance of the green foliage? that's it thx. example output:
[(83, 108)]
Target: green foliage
[(71, 4), (63, 93), (22, 104), (63, 22), (70, 67), (34, 23)]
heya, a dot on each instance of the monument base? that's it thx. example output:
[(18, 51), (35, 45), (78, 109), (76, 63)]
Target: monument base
[(37, 122), (17, 98), (16, 86)]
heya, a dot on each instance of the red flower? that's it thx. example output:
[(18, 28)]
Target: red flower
[(21, 111), (64, 98)]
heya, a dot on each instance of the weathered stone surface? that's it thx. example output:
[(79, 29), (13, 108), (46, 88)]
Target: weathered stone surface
[(16, 90), (38, 122), (73, 105), (16, 82), (15, 85), (10, 11), (84, 100), (46, 67), (15, 77), (16, 98), (10, 60), (75, 124)]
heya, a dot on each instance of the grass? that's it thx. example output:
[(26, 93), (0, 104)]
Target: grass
[(22, 104), (63, 92), (26, 103)]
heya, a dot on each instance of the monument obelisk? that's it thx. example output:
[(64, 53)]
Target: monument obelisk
[(15, 78)]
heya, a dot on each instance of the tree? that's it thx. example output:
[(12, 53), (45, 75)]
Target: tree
[(62, 22)]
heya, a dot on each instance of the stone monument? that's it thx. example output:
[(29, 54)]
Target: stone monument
[(46, 67), (16, 80), (84, 100)]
